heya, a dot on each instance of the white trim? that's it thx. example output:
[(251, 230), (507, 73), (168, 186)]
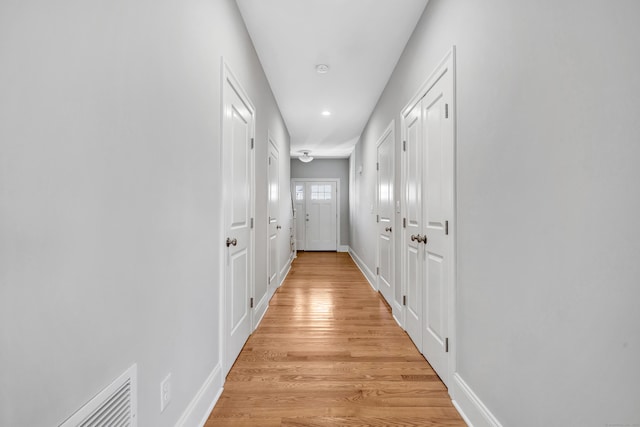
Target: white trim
[(368, 274), (260, 309), (397, 320), (439, 71), (202, 404), (471, 408), (343, 248), (338, 195), (285, 272)]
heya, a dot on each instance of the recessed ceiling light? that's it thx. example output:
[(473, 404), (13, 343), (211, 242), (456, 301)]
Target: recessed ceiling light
[(326, 113), (322, 68)]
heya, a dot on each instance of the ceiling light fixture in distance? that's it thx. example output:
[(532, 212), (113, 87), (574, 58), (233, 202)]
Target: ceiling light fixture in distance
[(322, 68), (326, 113), (305, 158)]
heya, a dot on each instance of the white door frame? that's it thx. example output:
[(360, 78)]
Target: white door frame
[(227, 74), (295, 181), (448, 63)]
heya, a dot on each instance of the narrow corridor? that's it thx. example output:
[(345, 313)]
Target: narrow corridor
[(329, 353)]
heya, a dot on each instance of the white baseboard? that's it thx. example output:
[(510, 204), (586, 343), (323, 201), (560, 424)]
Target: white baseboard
[(285, 271), (471, 408), (368, 274), (343, 248), (262, 306), (397, 321), (200, 407)]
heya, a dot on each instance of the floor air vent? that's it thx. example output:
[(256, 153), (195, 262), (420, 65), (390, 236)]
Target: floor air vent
[(115, 406)]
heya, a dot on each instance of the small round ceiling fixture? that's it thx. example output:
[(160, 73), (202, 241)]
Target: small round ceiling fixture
[(322, 68), (326, 113), (305, 158)]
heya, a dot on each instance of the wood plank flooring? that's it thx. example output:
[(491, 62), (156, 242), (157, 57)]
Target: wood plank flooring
[(328, 353)]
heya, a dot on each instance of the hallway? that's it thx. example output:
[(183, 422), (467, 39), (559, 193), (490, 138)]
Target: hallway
[(329, 353)]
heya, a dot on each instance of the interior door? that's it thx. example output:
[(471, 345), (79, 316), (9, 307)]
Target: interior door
[(412, 225), (385, 198), (321, 216), (437, 210), (273, 195), (299, 203), (237, 159)]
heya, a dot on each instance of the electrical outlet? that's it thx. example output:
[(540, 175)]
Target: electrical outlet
[(165, 392)]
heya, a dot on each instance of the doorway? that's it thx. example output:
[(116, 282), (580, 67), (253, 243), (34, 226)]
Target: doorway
[(316, 203)]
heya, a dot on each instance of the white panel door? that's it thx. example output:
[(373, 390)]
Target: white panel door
[(274, 227), (321, 217), (437, 210), (237, 159), (385, 199), (299, 203), (413, 251)]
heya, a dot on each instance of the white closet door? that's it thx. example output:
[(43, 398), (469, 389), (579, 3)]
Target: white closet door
[(437, 211), (237, 156), (386, 208)]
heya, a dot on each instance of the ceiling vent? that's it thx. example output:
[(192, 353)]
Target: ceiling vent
[(115, 406)]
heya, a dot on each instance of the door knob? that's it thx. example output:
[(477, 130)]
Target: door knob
[(278, 227), (387, 229), (231, 242), (422, 239), (414, 238)]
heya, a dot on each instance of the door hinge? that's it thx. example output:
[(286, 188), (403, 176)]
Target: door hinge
[(252, 142), (250, 302), (446, 228), (404, 300), (377, 218), (269, 279), (251, 222), (446, 345), (378, 166), (404, 145), (446, 111), (269, 160), (377, 271), (404, 222)]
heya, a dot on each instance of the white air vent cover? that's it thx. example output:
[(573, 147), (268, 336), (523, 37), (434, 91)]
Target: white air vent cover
[(115, 406)]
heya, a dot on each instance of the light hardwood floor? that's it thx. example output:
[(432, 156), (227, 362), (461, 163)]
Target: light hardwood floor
[(328, 353)]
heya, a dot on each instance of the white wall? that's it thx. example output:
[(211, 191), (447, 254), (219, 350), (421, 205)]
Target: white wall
[(548, 97), (109, 198), (329, 168)]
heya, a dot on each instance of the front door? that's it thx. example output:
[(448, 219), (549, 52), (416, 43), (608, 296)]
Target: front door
[(321, 216), (237, 159), (385, 217)]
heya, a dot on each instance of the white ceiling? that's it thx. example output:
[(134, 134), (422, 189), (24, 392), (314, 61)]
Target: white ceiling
[(360, 41)]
